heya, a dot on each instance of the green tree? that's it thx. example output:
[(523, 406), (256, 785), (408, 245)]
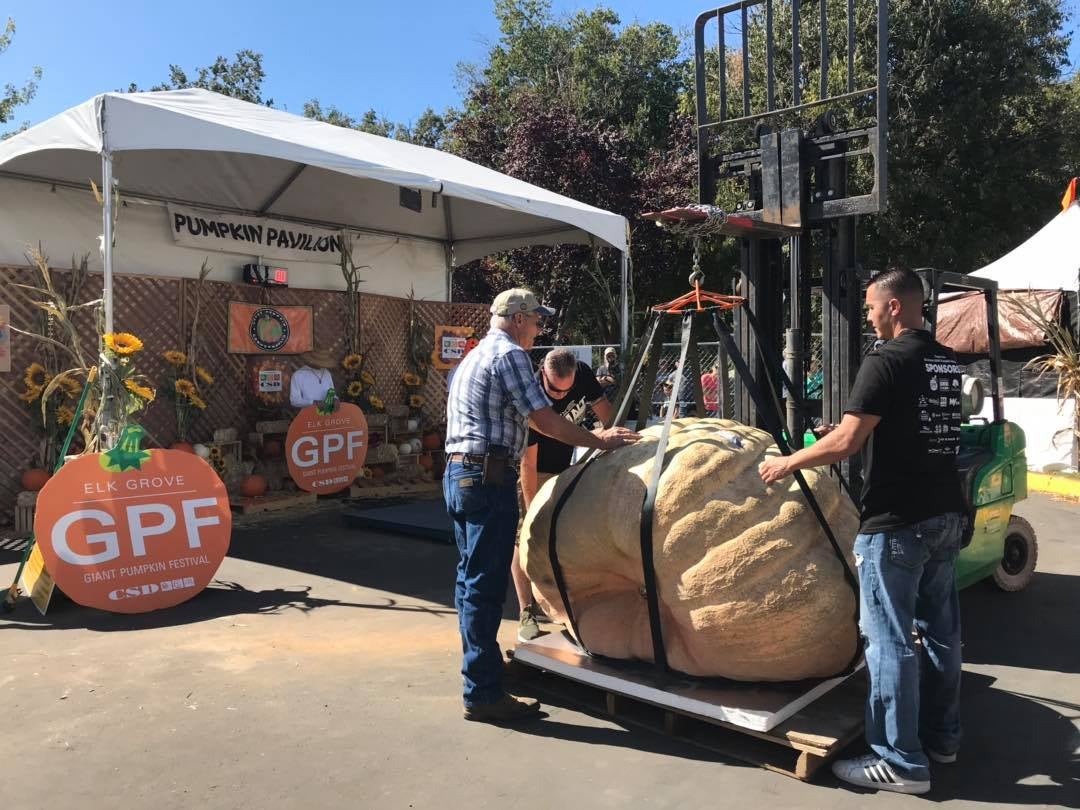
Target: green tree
[(11, 95), (242, 78)]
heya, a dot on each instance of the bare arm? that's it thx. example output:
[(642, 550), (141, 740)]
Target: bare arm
[(837, 445), (605, 410), (552, 424), (528, 474)]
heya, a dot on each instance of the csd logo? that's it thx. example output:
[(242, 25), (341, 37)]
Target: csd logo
[(133, 592)]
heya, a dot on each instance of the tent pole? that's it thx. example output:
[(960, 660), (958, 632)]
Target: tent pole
[(107, 236), (449, 247), (624, 315)]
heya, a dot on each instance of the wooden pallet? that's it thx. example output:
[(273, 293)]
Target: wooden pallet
[(273, 502), (798, 747), (419, 488)]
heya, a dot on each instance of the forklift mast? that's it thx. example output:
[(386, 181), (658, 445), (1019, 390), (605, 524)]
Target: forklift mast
[(797, 177)]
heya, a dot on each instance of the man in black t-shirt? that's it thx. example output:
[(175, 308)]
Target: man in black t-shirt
[(573, 389), (904, 415)]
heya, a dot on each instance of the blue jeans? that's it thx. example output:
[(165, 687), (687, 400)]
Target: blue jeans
[(485, 522), (907, 576)]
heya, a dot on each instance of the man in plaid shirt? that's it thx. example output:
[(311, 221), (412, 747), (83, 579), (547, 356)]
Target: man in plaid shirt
[(493, 396)]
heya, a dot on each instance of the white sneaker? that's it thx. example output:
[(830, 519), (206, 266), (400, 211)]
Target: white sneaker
[(870, 771)]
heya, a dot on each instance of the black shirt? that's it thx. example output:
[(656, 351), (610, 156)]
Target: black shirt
[(909, 461), (552, 456)]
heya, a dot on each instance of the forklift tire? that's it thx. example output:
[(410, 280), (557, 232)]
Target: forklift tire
[(1019, 556)]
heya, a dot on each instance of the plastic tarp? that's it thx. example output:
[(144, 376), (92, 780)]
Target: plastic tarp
[(1049, 260), (961, 323), (202, 148)]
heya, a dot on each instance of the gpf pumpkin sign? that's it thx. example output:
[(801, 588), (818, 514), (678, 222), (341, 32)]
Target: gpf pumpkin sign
[(326, 446), (133, 530)]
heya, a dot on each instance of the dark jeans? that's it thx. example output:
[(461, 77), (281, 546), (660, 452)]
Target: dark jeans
[(907, 576), (485, 521)]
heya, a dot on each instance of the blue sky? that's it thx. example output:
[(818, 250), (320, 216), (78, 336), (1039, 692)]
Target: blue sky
[(397, 58)]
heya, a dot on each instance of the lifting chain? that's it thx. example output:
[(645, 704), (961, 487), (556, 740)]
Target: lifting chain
[(696, 276)]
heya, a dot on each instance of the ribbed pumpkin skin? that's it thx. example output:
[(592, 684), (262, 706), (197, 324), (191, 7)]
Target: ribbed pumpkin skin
[(750, 588)]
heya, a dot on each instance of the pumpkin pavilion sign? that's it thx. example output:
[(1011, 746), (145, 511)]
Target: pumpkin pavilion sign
[(132, 530), (326, 445)]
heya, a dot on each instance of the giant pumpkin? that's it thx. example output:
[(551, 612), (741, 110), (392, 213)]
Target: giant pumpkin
[(749, 586)]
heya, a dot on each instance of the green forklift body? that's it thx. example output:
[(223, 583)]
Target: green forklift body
[(993, 471)]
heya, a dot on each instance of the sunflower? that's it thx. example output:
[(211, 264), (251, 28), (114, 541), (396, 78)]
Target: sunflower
[(197, 401), (64, 415), (31, 393), (410, 379), (367, 378), (185, 388), (352, 361), (123, 343), (70, 387), (141, 391), (376, 403), (35, 376), (365, 472), (416, 401), (204, 375), (175, 358), (215, 452), (355, 389)]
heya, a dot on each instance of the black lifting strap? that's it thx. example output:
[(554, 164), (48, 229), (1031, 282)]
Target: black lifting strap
[(626, 394), (648, 507), (723, 331), (772, 361)]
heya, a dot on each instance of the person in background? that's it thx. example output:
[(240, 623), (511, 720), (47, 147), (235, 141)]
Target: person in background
[(573, 389), (710, 389), (313, 379), (609, 374)]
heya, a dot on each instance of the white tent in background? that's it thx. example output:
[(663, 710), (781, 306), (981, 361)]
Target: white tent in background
[(198, 148), (1049, 260)]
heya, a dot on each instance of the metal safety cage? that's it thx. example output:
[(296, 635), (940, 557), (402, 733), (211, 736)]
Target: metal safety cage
[(781, 199)]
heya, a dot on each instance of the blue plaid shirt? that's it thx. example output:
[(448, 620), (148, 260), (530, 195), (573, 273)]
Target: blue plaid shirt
[(491, 396)]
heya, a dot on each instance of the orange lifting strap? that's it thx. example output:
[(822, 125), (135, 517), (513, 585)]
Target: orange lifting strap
[(699, 300)]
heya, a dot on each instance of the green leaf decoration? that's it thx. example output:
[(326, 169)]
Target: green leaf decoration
[(128, 453), (326, 407)]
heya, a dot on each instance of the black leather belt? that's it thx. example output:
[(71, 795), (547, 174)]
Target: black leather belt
[(475, 458), (466, 458)]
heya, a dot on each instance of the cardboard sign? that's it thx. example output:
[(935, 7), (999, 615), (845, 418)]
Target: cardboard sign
[(452, 343), (36, 581), (133, 530), (326, 449), (270, 381), (259, 329)]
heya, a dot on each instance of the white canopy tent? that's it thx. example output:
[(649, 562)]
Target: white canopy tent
[(200, 148), (1049, 260)]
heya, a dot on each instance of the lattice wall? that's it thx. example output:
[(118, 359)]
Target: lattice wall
[(159, 311)]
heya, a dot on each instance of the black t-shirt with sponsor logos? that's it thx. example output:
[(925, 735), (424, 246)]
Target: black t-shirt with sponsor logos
[(909, 461), (552, 456)]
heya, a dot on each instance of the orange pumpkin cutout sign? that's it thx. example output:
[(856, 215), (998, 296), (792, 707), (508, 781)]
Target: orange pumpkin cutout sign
[(326, 445), (132, 530)]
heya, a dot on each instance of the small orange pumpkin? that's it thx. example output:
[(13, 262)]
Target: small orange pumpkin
[(426, 461), (34, 479), (253, 486), (186, 447), (432, 441), (377, 473)]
